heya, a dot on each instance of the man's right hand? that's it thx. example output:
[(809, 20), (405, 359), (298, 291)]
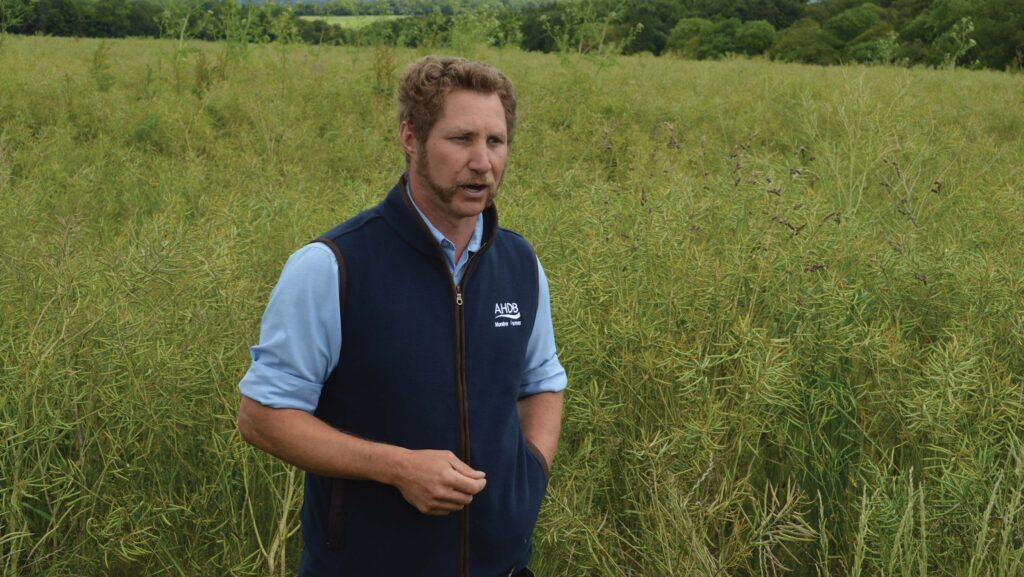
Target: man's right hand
[(437, 482)]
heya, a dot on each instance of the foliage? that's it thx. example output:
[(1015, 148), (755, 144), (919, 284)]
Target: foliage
[(806, 42), (755, 37), (779, 13), (921, 36), (854, 22), (532, 26), (12, 15), (929, 32), (999, 32), (581, 28), (143, 16), (956, 42), (318, 31), (473, 29), (720, 39), (789, 300), (701, 38), (110, 19), (653, 20), (882, 50), (56, 17), (686, 37)]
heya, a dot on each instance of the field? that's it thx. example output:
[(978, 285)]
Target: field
[(790, 301), (351, 22)]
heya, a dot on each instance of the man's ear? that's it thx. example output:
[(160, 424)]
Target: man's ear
[(408, 139)]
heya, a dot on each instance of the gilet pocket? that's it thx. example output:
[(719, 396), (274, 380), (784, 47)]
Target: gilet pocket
[(334, 536)]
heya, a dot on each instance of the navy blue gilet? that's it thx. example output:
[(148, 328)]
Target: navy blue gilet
[(427, 364)]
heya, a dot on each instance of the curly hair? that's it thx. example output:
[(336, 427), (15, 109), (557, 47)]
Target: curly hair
[(428, 81)]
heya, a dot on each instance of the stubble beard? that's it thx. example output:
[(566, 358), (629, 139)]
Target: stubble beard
[(446, 194)]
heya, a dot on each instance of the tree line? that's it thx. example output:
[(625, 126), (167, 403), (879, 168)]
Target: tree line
[(940, 33)]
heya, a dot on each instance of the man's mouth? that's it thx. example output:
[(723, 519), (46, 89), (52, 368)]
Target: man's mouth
[(474, 188)]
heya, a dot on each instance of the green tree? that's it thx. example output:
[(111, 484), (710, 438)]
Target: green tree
[(13, 14), (320, 32), (109, 19), (143, 18), (755, 37), (882, 50), (720, 40), (533, 28), (999, 31), (340, 7), (816, 12), (686, 36), (850, 24), (55, 18), (656, 18), (510, 28), (583, 27), (834, 7), (938, 18), (778, 13), (806, 42), (903, 11), (702, 38), (922, 38), (957, 42)]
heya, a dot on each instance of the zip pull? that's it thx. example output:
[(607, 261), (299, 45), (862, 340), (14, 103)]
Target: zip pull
[(458, 296)]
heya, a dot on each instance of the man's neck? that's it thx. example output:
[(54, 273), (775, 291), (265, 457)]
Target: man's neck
[(459, 231)]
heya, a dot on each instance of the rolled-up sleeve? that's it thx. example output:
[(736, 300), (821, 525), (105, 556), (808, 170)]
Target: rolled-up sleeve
[(542, 373), (300, 334)]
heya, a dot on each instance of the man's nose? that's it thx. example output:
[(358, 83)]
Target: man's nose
[(480, 158)]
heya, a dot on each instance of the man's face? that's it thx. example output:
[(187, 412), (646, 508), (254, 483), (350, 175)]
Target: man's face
[(459, 168)]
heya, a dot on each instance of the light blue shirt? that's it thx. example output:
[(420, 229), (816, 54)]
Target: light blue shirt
[(300, 335)]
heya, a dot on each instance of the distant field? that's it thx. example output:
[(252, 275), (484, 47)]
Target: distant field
[(351, 22), (790, 301)]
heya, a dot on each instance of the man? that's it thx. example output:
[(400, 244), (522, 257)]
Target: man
[(407, 360)]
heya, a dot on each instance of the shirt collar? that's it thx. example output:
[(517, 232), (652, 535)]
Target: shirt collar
[(474, 241)]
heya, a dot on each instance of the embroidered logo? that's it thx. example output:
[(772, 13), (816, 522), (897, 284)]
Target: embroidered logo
[(506, 314)]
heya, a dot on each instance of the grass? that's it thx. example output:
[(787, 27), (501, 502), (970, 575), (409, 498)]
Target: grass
[(790, 300), (353, 22)]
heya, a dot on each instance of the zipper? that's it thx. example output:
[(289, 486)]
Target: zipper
[(463, 404), (462, 566), (463, 410)]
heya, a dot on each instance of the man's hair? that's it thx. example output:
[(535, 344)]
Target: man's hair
[(428, 81)]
